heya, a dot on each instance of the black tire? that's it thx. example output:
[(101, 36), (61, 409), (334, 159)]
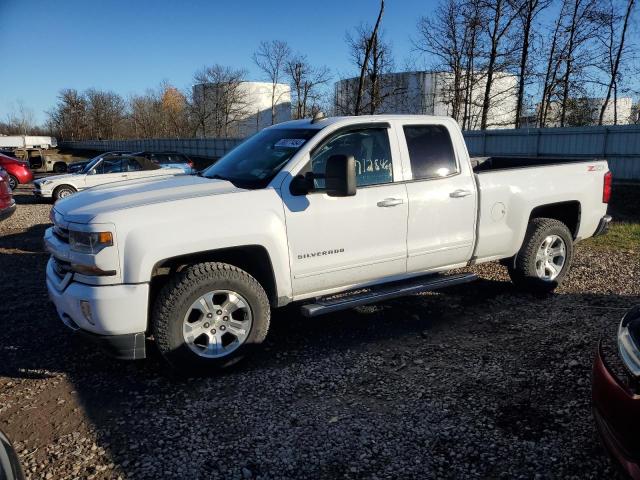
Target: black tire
[(523, 270), (59, 167), (13, 182), (63, 191), (177, 296)]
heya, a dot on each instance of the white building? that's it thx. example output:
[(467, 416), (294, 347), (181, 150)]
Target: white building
[(586, 111), (240, 110), (431, 93)]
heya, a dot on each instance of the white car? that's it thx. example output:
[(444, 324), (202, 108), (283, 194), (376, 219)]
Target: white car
[(100, 171), (371, 207)]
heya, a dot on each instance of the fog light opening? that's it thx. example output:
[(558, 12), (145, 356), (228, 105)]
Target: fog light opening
[(85, 307)]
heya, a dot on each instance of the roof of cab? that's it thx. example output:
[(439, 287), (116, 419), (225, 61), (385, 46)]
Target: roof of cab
[(319, 124)]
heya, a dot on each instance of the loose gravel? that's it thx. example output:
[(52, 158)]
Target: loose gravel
[(479, 381)]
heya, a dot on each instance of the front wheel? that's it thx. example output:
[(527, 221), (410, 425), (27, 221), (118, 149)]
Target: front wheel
[(13, 182), (63, 191), (544, 260), (209, 317)]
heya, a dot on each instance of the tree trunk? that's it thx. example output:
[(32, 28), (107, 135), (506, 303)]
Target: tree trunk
[(616, 65), (365, 60)]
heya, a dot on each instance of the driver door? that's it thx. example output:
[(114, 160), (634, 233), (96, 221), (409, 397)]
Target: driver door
[(338, 242)]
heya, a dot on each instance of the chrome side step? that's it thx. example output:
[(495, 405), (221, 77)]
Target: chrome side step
[(385, 292)]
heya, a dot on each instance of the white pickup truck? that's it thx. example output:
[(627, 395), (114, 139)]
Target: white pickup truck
[(368, 207)]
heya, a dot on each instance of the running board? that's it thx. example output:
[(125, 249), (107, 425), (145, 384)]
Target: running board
[(385, 292)]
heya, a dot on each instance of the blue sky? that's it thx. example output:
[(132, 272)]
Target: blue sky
[(129, 46)]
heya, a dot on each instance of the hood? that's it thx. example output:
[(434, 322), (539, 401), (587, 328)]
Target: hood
[(82, 207), (55, 178)]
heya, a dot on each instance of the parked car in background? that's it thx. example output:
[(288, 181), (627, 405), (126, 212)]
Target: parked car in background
[(7, 203), (616, 392), (100, 171), (18, 171), (78, 167), (169, 160)]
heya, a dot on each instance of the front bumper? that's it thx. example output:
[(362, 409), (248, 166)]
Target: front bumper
[(616, 409), (38, 191), (603, 226), (118, 313)]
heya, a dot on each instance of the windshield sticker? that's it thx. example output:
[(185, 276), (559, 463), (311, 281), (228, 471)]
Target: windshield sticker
[(290, 143)]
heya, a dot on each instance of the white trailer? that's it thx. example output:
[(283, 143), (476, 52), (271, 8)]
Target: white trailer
[(27, 142)]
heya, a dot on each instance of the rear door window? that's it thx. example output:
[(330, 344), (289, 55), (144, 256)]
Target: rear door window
[(430, 151)]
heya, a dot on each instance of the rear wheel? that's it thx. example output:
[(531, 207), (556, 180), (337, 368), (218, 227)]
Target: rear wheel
[(60, 167), (63, 191), (13, 182), (545, 257), (209, 317)]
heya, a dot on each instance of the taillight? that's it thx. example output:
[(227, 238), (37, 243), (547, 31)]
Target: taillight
[(606, 188), (190, 163)]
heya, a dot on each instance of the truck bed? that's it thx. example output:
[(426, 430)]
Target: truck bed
[(484, 164)]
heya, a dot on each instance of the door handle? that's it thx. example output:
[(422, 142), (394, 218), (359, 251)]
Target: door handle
[(460, 193), (390, 202)]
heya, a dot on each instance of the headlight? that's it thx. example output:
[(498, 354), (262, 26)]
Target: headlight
[(45, 182), (89, 242), (629, 340)]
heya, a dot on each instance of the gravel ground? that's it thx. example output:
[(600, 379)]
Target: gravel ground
[(479, 381)]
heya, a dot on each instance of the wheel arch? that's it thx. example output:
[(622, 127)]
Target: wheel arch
[(568, 212), (253, 259), (60, 163)]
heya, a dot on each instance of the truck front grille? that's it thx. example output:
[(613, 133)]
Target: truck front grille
[(61, 267)]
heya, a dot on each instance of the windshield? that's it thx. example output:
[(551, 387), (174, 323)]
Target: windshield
[(92, 163), (253, 163)]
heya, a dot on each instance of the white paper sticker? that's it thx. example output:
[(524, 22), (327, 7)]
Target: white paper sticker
[(290, 142)]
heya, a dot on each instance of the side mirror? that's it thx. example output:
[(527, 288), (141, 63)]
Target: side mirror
[(340, 176), (301, 185)]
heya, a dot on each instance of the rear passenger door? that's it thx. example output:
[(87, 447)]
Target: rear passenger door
[(442, 199)]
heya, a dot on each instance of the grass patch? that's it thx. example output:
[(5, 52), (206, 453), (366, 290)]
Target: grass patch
[(621, 236)]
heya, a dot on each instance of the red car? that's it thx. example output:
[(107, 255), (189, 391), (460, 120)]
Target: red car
[(7, 203), (616, 393), (19, 171)]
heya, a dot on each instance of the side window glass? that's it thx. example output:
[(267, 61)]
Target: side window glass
[(430, 151), (133, 165), (110, 165), (371, 150)]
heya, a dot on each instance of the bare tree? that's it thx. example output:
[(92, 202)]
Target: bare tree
[(146, 115), (219, 100), (20, 119), (615, 49), (503, 13), (69, 115), (272, 57), (528, 13), (362, 45), (105, 113), (581, 29), (553, 64), (306, 82)]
